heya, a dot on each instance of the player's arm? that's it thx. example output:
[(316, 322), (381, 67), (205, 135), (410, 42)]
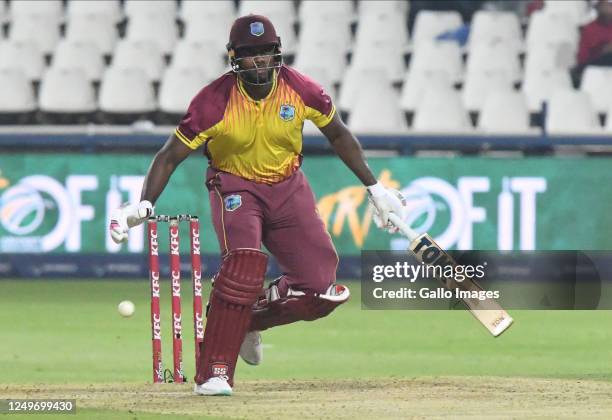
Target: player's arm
[(348, 148), (172, 153), (163, 165)]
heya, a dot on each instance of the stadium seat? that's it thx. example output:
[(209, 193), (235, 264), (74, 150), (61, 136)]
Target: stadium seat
[(494, 58), (126, 90), (23, 55), (382, 8), (3, 15), (327, 30), (570, 112), (597, 83), (322, 53), (438, 56), (178, 87), (51, 11), (202, 55), (44, 33), (546, 29), (504, 112), (608, 126), (551, 56), (429, 24), (215, 31), (376, 110), (86, 56), (150, 8), (340, 11), (441, 111), (539, 85), (388, 29), (205, 11), (275, 10), (141, 54), (577, 11), (380, 55), (357, 80), (98, 30), (415, 84), (109, 10), (479, 84), (159, 29), (17, 92), (493, 27), (66, 91)]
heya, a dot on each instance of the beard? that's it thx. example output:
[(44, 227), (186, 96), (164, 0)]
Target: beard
[(263, 74), (258, 76)]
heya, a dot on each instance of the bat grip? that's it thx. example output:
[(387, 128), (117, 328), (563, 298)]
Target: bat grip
[(403, 226)]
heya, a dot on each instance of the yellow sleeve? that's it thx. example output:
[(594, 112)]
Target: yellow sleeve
[(194, 143), (319, 119)]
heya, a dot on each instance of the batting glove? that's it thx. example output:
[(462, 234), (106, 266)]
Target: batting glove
[(385, 201), (127, 216)]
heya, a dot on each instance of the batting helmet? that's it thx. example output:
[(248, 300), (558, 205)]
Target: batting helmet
[(252, 31)]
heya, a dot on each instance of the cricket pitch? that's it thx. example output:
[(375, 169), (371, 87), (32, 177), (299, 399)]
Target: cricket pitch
[(431, 397)]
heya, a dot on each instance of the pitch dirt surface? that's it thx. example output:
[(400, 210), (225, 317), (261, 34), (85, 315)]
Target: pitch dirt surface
[(439, 397)]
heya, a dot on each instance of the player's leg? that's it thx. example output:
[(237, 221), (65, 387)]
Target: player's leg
[(297, 237), (237, 286), (235, 212), (237, 218)]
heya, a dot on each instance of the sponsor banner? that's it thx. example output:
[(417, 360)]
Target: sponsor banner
[(94, 266), (133, 266), (60, 203)]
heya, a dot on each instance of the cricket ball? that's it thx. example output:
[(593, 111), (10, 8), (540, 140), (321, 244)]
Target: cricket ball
[(126, 308)]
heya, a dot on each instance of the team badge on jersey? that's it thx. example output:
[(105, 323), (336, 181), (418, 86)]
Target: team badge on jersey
[(232, 202), (257, 29), (287, 112)]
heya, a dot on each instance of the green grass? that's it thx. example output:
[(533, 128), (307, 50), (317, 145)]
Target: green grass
[(70, 332)]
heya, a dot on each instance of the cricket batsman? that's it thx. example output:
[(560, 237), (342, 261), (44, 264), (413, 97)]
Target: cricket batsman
[(248, 122)]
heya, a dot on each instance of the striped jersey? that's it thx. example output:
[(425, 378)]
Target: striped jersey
[(256, 140)]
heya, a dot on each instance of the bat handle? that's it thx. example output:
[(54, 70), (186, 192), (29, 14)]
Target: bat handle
[(403, 226)]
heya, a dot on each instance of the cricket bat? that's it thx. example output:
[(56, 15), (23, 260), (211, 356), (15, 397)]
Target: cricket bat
[(487, 311)]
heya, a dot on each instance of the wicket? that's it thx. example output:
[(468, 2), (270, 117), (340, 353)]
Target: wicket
[(177, 374)]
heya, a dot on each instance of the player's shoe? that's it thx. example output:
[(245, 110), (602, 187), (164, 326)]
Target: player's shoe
[(337, 293), (217, 385), (251, 349)]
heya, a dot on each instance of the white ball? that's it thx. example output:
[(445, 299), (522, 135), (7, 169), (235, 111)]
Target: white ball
[(126, 308)]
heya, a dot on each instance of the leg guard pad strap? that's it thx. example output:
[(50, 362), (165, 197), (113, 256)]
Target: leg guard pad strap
[(297, 306)]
